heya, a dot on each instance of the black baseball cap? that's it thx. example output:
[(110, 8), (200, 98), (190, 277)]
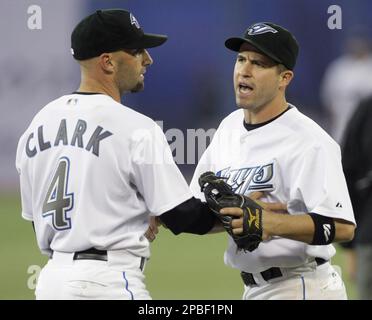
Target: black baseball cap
[(109, 31), (272, 40)]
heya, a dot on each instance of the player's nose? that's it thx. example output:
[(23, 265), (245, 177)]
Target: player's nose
[(246, 70), (243, 74), (147, 60)]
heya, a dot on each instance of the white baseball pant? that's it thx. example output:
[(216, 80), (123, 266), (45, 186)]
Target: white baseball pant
[(119, 278)]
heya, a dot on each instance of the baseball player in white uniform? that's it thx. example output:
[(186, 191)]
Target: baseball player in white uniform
[(92, 171), (268, 145)]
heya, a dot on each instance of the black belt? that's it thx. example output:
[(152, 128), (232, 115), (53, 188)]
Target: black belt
[(271, 273), (91, 254), (95, 254)]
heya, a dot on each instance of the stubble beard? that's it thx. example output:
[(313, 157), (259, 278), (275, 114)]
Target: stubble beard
[(140, 86), (250, 106), (256, 104)]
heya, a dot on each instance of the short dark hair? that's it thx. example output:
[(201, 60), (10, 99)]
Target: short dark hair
[(281, 67)]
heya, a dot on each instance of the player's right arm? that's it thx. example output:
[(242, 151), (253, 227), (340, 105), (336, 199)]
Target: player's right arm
[(164, 188)]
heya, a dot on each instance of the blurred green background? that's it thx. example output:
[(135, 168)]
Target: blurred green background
[(180, 268)]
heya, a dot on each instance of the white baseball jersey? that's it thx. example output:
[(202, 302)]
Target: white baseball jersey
[(293, 161), (92, 171)]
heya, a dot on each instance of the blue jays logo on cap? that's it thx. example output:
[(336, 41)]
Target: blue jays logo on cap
[(134, 21), (260, 28)]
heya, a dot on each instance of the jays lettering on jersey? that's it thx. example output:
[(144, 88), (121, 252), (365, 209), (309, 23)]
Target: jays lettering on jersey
[(92, 171), (293, 161), (246, 180)]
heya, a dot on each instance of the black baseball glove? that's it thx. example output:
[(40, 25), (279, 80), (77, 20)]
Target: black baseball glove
[(218, 195)]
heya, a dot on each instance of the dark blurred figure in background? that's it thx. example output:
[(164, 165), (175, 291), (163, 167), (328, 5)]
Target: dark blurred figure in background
[(348, 80), (357, 163)]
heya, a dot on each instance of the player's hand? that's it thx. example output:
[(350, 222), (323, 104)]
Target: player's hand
[(278, 207), (268, 210), (237, 222), (153, 229)]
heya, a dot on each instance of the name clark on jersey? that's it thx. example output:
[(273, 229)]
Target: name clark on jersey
[(61, 137)]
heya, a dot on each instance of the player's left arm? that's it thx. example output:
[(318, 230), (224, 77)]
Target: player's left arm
[(308, 228)]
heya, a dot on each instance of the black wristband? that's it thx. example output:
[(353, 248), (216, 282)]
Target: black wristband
[(325, 229)]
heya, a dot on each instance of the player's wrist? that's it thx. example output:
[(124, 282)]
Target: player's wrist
[(268, 224)]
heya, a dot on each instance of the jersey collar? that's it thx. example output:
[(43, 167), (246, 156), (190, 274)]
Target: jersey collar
[(86, 93), (249, 126)]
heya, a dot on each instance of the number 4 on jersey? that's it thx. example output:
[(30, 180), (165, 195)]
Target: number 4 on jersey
[(57, 201)]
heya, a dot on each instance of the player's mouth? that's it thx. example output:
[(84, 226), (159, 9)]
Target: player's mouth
[(244, 89), (142, 75)]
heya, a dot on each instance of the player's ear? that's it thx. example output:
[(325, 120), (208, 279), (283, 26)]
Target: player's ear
[(106, 63), (286, 77)]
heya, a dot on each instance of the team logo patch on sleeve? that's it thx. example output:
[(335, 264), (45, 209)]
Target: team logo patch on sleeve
[(260, 28)]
